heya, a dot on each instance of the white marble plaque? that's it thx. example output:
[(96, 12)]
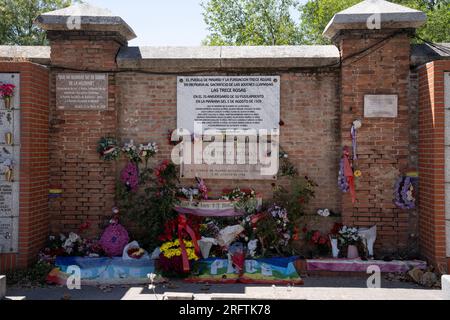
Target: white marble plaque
[(9, 167), (228, 102), (8, 234), (380, 106), (82, 91)]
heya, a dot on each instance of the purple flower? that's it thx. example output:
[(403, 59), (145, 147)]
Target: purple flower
[(130, 176)]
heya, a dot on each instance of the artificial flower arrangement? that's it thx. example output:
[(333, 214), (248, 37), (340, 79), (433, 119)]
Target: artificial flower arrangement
[(131, 151), (70, 245), (130, 176), (108, 148), (349, 236), (148, 151), (171, 253), (6, 93), (244, 200), (405, 192), (319, 240)]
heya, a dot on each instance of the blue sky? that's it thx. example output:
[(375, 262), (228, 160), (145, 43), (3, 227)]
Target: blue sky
[(160, 22)]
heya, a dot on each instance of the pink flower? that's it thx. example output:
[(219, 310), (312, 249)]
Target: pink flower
[(130, 176), (7, 90)]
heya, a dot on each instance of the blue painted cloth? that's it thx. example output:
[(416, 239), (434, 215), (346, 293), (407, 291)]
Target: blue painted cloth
[(107, 268)]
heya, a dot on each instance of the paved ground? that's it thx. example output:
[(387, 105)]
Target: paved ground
[(314, 288)]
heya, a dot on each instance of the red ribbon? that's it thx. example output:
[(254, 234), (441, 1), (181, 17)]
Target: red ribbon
[(348, 173), (183, 226)]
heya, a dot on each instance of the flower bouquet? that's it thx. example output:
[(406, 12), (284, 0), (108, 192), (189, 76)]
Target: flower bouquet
[(349, 237), (131, 152), (170, 259), (148, 151), (6, 93)]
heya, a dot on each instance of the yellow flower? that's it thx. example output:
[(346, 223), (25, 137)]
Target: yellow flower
[(358, 173)]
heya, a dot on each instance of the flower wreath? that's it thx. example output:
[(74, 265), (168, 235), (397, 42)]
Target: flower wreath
[(405, 193), (108, 148)]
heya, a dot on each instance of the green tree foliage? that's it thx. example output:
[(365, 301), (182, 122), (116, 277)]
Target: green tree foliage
[(270, 22), (251, 22), (17, 16), (316, 14)]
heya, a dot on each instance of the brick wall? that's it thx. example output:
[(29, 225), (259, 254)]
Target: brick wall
[(309, 109), (88, 183), (432, 161), (383, 143), (34, 164)]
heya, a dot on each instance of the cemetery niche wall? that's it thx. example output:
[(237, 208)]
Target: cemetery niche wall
[(115, 119)]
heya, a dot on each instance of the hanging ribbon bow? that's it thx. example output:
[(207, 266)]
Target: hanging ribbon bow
[(183, 226), (348, 173)]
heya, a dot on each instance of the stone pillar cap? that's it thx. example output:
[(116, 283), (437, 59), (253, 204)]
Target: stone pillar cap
[(391, 16), (84, 17)]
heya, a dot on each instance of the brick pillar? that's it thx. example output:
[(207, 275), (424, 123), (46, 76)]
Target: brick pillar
[(432, 162), (87, 182), (376, 60), (383, 143)]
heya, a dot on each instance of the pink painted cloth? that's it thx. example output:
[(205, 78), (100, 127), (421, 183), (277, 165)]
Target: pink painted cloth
[(358, 265)]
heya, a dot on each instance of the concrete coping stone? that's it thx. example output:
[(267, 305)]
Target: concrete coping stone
[(84, 17), (391, 16)]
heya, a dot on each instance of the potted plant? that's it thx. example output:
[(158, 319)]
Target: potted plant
[(6, 93), (349, 237)]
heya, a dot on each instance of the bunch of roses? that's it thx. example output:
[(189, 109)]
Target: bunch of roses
[(166, 171), (7, 90)]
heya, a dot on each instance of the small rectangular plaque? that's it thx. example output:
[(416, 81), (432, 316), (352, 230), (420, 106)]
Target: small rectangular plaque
[(380, 106), (82, 91)]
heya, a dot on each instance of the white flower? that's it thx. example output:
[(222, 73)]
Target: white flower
[(74, 237), (62, 237)]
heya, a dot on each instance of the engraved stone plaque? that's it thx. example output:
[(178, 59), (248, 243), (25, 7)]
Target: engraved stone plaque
[(380, 106), (228, 102), (82, 91)]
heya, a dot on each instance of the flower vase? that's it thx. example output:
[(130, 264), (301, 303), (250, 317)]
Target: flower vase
[(8, 175), (334, 247), (8, 103), (352, 252), (8, 138)]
